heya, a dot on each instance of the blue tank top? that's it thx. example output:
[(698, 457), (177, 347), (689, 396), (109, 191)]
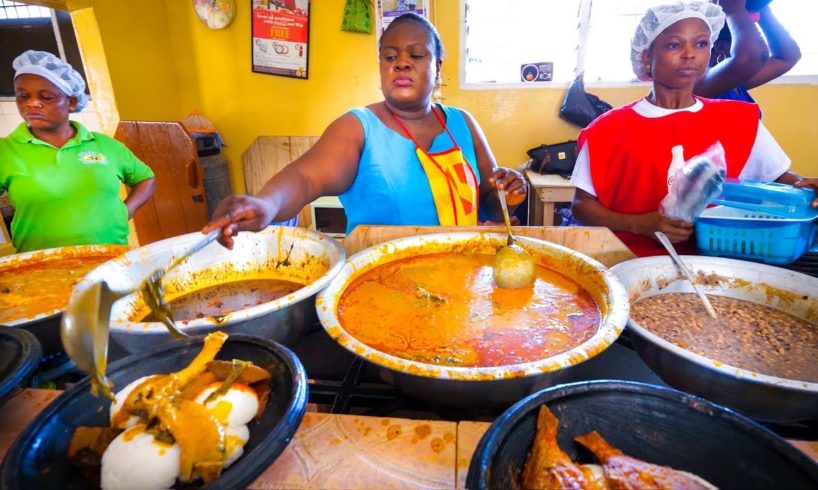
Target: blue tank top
[(740, 93), (391, 187)]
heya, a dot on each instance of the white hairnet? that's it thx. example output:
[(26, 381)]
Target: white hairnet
[(55, 70), (659, 18)]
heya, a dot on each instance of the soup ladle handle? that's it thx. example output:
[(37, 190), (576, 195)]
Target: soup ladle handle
[(663, 239)]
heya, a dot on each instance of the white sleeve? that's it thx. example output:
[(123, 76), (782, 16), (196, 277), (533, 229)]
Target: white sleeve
[(767, 159), (581, 177)]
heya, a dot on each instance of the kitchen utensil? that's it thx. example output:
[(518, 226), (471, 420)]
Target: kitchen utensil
[(513, 265), (672, 251), (85, 325), (153, 292), (285, 253), (762, 397)]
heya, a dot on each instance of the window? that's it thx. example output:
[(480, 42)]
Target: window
[(500, 38), (25, 27)]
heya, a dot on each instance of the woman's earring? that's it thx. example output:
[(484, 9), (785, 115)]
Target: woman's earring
[(647, 69), (720, 57)]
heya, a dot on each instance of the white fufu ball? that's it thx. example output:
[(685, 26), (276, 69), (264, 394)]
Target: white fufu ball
[(135, 460), (236, 407)]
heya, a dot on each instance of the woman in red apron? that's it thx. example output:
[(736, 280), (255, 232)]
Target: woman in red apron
[(622, 167)]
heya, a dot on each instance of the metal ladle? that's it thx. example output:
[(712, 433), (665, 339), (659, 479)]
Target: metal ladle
[(513, 266), (86, 322), (663, 239)]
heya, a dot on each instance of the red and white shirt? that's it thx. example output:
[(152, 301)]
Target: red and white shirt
[(625, 154)]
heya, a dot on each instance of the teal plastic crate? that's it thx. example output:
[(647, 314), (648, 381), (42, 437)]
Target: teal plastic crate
[(766, 222), (737, 233)]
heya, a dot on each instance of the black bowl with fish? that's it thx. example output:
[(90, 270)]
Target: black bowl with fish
[(654, 424)]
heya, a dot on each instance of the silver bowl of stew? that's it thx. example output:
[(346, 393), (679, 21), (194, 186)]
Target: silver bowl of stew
[(35, 287), (426, 310), (758, 357), (265, 286)]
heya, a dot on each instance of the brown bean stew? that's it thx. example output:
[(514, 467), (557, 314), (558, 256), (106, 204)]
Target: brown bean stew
[(746, 335)]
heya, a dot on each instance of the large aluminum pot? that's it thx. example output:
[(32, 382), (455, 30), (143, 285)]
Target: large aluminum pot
[(479, 386), (759, 396), (46, 325), (294, 254)]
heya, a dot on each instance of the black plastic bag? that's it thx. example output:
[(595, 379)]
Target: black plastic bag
[(558, 158), (580, 107)]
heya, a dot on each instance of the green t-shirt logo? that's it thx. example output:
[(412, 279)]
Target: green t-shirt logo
[(92, 157)]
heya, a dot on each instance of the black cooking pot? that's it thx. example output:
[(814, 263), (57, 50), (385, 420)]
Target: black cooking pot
[(39, 457), (658, 425), (19, 356)]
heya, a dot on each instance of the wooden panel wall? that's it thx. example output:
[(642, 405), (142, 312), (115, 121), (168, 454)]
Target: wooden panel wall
[(178, 206), (267, 156)]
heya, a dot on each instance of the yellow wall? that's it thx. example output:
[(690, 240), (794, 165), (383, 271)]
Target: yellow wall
[(141, 67), (179, 65)]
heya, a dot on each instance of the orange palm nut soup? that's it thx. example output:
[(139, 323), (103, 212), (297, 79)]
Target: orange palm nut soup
[(35, 288), (446, 309)]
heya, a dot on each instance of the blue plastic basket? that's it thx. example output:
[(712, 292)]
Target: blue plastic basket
[(768, 222), (743, 234)]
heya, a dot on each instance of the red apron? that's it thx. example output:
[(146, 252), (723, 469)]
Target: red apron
[(630, 156)]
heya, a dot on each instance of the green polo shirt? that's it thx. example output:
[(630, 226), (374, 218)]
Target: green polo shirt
[(69, 195)]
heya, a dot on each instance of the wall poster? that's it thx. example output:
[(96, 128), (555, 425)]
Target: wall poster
[(388, 10), (281, 37)]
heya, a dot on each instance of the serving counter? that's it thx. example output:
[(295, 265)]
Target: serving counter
[(361, 433), (335, 451)]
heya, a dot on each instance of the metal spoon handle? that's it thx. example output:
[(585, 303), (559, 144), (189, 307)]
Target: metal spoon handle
[(672, 251), (501, 195), (207, 240)]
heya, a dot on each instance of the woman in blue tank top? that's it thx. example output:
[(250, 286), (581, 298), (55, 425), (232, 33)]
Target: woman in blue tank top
[(401, 161), (752, 49)]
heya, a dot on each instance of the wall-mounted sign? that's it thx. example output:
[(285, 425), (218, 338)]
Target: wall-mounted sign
[(281, 36), (537, 72)]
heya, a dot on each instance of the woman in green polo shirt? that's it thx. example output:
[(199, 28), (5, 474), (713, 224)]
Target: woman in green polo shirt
[(64, 180)]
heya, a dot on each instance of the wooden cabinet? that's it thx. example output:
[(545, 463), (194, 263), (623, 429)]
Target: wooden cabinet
[(178, 206)]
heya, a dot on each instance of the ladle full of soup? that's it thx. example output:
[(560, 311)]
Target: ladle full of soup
[(446, 309)]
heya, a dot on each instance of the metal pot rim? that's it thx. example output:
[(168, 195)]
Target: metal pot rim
[(156, 328), (36, 256), (703, 361), (609, 329)]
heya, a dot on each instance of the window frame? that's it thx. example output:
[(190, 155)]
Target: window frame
[(583, 25), (55, 29)]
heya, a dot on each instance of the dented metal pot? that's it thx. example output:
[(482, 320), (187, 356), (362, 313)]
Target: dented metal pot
[(479, 386), (762, 397), (285, 253)]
